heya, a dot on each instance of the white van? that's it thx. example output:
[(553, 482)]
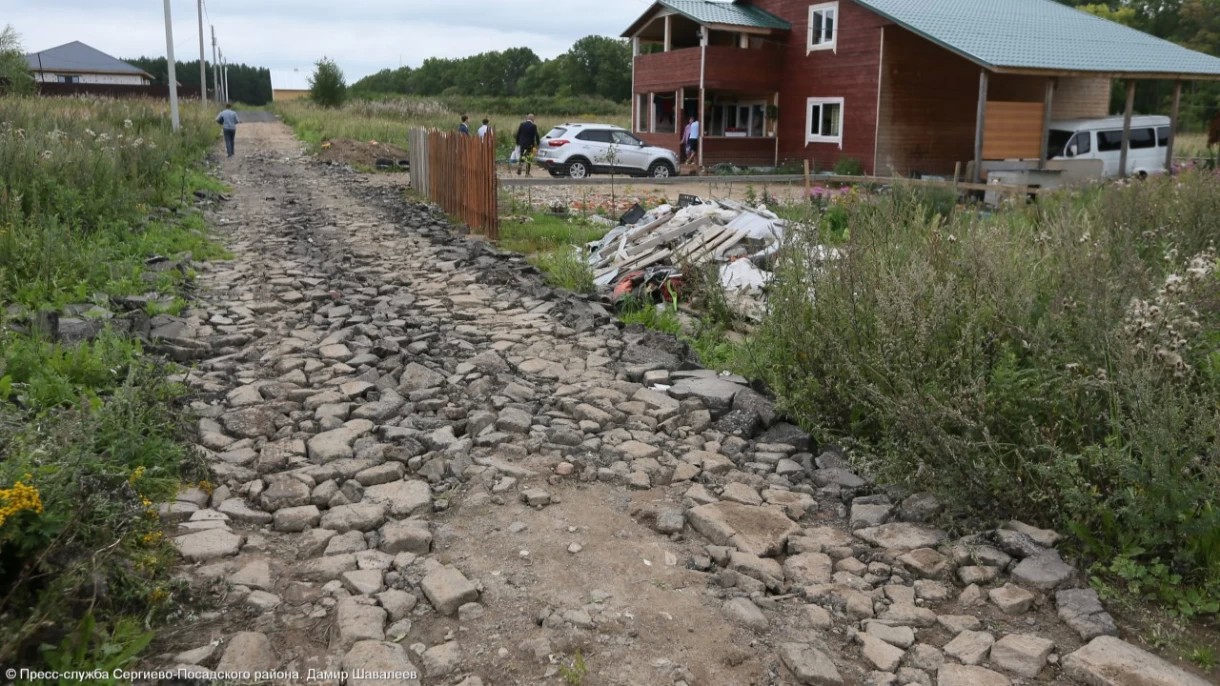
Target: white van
[(1102, 139)]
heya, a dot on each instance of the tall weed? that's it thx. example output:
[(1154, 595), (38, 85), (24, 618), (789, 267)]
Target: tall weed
[(1054, 362)]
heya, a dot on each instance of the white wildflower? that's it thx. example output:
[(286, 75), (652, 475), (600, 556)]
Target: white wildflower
[(127, 123), (46, 154)]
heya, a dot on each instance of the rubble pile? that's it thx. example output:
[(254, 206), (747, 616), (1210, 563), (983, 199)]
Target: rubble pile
[(646, 253)]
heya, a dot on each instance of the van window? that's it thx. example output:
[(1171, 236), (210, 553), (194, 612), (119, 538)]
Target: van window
[(1109, 141), (1162, 136), (1083, 142)]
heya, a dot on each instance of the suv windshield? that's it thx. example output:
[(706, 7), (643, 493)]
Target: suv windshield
[(556, 132)]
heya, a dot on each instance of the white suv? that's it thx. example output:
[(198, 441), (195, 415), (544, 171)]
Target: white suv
[(578, 150)]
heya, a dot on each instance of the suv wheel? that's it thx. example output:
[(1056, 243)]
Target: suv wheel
[(660, 170), (578, 169)]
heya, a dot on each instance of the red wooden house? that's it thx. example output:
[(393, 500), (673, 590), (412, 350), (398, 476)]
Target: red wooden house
[(901, 86)]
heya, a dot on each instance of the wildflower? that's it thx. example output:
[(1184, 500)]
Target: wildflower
[(21, 497), (46, 154), (152, 538), (127, 123), (136, 474), (157, 595)]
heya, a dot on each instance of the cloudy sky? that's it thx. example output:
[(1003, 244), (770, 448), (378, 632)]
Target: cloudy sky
[(288, 36)]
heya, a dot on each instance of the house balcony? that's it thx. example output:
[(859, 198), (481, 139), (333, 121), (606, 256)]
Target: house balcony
[(750, 70)]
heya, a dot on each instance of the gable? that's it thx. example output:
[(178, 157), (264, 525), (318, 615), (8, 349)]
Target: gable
[(76, 57)]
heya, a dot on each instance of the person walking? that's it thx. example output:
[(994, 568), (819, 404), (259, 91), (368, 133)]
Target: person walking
[(528, 139), (464, 128), (484, 128), (228, 121), (692, 140), (686, 140)]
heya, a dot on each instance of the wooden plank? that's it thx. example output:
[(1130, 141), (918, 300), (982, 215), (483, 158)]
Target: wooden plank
[(1173, 125), (708, 250), (980, 123), (666, 236), (684, 251), (1013, 130)]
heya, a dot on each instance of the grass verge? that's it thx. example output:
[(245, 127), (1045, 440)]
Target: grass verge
[(92, 435), (1058, 363)]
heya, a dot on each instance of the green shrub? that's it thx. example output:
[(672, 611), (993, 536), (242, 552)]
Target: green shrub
[(327, 87), (848, 166), (564, 268), (1054, 363)]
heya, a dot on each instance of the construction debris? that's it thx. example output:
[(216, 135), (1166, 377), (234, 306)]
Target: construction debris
[(645, 254)]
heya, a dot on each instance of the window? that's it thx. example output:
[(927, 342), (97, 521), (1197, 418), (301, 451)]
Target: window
[(824, 121), (594, 136), (1109, 141), (823, 26), (63, 78), (1083, 142), (1162, 136), (642, 115), (624, 138)]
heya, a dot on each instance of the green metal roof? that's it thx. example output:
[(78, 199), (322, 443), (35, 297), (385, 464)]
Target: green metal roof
[(1042, 35), (708, 12)]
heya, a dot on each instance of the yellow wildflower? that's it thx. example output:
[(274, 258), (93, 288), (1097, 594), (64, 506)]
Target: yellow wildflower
[(21, 497), (136, 474)]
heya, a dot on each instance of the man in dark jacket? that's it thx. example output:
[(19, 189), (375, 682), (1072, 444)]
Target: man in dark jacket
[(464, 127), (528, 139)]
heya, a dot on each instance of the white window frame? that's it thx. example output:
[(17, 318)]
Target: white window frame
[(833, 43), (819, 102)]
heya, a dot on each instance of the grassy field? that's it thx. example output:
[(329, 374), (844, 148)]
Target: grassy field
[(92, 435), (388, 121)]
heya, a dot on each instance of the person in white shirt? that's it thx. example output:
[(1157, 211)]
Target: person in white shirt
[(484, 128), (692, 141)]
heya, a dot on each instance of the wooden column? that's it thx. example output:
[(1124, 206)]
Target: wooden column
[(1173, 125), (669, 42), (1046, 121), (980, 123), (1126, 147)]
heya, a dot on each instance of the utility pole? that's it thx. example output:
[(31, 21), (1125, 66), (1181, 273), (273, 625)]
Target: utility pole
[(203, 65), (173, 76), (225, 69), (215, 71)]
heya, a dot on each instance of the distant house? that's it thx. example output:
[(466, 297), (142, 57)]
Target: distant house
[(287, 94), (78, 63), (901, 86)]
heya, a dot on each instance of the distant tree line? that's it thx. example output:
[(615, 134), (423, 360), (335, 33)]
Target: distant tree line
[(1192, 23), (594, 66), (247, 85)]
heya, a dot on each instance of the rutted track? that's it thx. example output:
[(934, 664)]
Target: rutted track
[(428, 461)]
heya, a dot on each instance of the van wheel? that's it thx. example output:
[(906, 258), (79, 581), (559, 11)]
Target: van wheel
[(1141, 175)]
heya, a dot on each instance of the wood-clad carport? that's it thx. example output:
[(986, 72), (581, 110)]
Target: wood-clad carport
[(998, 70)]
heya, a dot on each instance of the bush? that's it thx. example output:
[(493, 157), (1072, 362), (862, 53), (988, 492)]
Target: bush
[(848, 166), (327, 87), (1055, 363), (15, 76)]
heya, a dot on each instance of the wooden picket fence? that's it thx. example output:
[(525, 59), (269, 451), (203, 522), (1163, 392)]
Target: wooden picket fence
[(457, 172)]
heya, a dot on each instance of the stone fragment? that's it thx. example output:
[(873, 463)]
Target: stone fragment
[(760, 530), (746, 613), (297, 518), (880, 654), (256, 574), (401, 498), (1021, 654), (1043, 537), (925, 562), (808, 568), (447, 589), (810, 665), (1012, 599), (1081, 609), (1108, 661), (967, 675), (355, 517), (409, 536), (356, 621), (208, 545), (970, 647), (247, 651), (369, 660), (443, 659), (902, 536), (1046, 571)]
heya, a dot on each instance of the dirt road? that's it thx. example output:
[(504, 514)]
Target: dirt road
[(427, 462)]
